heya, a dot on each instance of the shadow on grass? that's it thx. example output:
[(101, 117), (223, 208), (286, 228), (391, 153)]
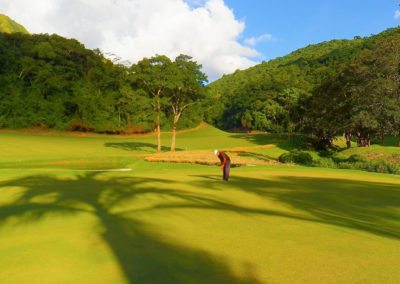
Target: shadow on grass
[(144, 256), (366, 206), (281, 141), (137, 146), (260, 157)]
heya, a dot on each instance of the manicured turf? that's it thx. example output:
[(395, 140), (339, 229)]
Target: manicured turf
[(64, 222)]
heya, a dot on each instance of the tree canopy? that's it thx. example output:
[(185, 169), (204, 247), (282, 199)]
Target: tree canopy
[(336, 87)]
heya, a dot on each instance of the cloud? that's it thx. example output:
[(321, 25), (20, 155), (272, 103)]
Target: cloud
[(252, 41), (397, 15), (133, 29)]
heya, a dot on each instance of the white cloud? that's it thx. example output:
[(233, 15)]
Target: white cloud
[(397, 14), (133, 29), (252, 41)]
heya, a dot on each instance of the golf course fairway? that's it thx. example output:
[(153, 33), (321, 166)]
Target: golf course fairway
[(66, 218)]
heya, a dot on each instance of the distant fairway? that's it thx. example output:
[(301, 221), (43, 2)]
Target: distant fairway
[(63, 220)]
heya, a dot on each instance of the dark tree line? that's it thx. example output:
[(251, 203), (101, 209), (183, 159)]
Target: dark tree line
[(362, 100), (48, 81)]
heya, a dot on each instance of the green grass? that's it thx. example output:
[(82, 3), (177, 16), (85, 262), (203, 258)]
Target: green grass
[(178, 223)]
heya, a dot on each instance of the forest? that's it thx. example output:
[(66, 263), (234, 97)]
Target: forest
[(48, 81), (340, 87)]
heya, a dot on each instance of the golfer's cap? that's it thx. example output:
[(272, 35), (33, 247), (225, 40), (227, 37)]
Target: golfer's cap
[(215, 152)]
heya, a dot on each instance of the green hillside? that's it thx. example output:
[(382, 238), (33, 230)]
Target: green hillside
[(301, 68), (271, 96), (7, 25)]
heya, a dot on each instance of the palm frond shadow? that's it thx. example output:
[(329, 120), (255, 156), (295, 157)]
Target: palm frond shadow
[(143, 256), (137, 146), (366, 206)]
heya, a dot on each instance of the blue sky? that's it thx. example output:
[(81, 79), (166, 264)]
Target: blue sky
[(295, 24)]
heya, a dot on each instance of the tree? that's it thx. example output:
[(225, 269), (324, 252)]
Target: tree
[(154, 76), (188, 81)]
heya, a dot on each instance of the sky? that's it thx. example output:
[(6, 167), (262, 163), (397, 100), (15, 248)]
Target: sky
[(222, 35)]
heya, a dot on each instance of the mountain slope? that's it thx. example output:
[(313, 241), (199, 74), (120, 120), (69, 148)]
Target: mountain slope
[(246, 98), (7, 25)]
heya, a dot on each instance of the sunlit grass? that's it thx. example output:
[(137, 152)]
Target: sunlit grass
[(64, 220)]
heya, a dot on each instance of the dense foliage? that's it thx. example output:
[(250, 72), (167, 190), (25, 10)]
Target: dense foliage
[(177, 84), (266, 96), (349, 87), (336, 87), (362, 99), (51, 82)]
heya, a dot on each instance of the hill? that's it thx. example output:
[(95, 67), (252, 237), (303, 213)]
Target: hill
[(269, 96), (8, 25)]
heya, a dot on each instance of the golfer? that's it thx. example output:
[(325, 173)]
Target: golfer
[(225, 163)]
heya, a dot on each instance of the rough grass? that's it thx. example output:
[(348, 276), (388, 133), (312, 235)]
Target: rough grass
[(178, 223)]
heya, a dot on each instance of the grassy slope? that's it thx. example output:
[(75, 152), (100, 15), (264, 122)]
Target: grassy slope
[(34, 150), (7, 25), (175, 223)]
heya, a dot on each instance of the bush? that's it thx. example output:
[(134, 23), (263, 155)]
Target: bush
[(356, 158), (325, 163), (377, 166), (332, 160), (298, 157), (286, 158)]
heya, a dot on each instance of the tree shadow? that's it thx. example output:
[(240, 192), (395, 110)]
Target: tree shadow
[(260, 157), (281, 141), (366, 206), (210, 177), (138, 146), (143, 256)]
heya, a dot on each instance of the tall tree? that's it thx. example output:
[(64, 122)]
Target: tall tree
[(154, 76), (188, 80)]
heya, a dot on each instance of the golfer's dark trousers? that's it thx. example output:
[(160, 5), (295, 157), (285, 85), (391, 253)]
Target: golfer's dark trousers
[(227, 168)]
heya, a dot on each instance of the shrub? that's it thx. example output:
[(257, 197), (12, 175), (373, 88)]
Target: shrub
[(298, 157), (286, 158), (333, 160), (325, 163), (356, 158)]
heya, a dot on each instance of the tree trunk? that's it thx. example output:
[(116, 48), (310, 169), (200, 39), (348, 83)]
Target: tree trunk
[(382, 134), (176, 119), (359, 138), (173, 138), (158, 125), (348, 141)]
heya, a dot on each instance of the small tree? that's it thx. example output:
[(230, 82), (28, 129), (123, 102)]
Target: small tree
[(188, 81), (154, 76)]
